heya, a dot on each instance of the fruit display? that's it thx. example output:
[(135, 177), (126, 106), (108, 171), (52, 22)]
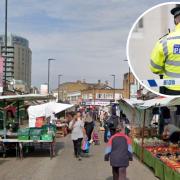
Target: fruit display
[(170, 155), (167, 153), (164, 149), (148, 142), (173, 161)]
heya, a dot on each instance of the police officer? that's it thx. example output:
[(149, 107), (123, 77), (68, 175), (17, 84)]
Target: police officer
[(165, 57)]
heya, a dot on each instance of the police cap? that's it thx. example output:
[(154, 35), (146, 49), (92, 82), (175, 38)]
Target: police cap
[(175, 11)]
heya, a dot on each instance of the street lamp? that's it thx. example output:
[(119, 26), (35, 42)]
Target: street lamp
[(49, 60), (129, 82), (59, 80), (114, 85)]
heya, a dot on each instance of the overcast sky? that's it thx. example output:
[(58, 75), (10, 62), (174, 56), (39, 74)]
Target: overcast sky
[(87, 38)]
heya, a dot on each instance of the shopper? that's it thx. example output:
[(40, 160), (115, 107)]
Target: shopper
[(171, 133), (106, 128), (77, 132), (119, 150), (113, 122), (89, 124), (101, 117), (69, 117)]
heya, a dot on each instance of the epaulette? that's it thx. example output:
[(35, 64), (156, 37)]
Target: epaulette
[(163, 36)]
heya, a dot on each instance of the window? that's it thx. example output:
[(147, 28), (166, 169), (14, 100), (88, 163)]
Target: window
[(109, 96), (90, 96), (140, 23), (100, 96)]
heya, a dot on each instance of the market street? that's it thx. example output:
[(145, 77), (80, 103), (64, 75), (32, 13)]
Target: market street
[(64, 166)]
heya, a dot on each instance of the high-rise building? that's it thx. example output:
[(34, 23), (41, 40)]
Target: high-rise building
[(18, 61)]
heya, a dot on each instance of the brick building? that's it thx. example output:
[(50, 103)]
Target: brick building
[(128, 84)]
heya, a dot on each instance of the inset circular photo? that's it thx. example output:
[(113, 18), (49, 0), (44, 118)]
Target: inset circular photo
[(153, 49)]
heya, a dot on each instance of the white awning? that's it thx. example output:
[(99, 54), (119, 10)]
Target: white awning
[(166, 101), (132, 102), (25, 97), (46, 110)]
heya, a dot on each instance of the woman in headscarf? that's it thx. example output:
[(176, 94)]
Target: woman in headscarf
[(89, 124)]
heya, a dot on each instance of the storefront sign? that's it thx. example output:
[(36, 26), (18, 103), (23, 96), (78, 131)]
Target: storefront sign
[(97, 103)]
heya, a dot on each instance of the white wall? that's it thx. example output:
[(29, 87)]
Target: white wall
[(156, 24)]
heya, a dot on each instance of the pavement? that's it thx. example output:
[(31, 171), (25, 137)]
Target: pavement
[(39, 166)]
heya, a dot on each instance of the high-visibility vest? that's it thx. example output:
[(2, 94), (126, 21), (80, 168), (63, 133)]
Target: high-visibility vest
[(165, 57)]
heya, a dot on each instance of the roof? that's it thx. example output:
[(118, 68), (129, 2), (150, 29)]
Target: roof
[(25, 97), (80, 86)]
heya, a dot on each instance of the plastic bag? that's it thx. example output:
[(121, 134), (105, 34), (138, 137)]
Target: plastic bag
[(108, 134), (85, 145)]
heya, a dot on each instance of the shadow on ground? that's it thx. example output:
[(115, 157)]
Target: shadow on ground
[(109, 178), (43, 151), (59, 146), (3, 161), (38, 150)]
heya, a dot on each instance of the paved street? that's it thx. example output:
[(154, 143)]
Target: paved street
[(38, 166)]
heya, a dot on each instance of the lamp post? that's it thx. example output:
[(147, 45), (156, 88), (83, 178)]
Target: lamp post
[(114, 85), (59, 81), (49, 60), (129, 81)]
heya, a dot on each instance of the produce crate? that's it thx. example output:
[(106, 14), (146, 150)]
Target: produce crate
[(40, 121), (23, 132), (153, 132), (47, 137), (51, 127), (146, 132), (35, 137), (136, 132), (35, 132), (23, 137)]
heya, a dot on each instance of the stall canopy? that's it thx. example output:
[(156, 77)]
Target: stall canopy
[(134, 109), (132, 102), (128, 106), (166, 101), (25, 97), (46, 110)]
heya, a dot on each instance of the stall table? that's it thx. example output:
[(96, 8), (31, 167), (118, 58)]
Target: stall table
[(61, 130), (20, 144), (161, 170)]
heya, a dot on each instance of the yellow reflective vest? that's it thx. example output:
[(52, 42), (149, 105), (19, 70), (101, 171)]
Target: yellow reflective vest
[(165, 57)]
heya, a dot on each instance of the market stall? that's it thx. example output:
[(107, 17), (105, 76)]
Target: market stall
[(8, 137), (46, 110), (39, 113), (162, 156)]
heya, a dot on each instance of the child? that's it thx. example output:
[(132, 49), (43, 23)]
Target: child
[(119, 150)]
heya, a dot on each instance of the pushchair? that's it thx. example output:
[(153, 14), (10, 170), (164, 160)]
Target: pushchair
[(96, 139)]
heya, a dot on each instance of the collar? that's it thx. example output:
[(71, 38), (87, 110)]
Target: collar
[(178, 26), (120, 133)]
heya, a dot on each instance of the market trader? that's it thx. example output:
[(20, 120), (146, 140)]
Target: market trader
[(165, 57)]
